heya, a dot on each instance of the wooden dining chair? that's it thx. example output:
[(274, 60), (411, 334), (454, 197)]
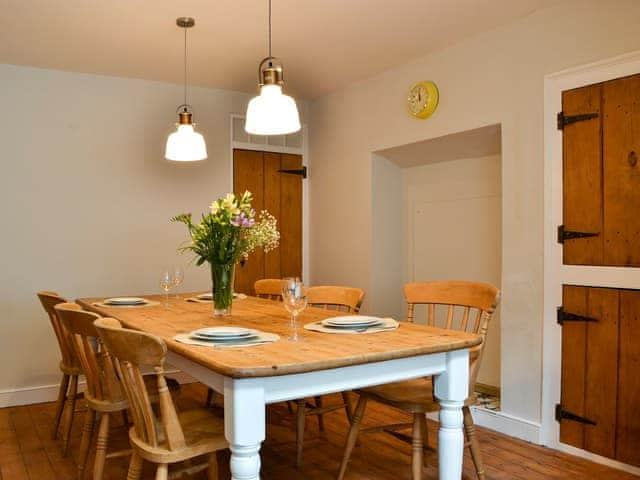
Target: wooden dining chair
[(469, 306), (270, 288), (348, 300), (174, 437), (104, 393), (68, 391), (344, 299)]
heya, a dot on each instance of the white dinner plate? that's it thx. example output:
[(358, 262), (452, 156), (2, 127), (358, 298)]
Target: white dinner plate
[(246, 338), (352, 321), (124, 301), (223, 332)]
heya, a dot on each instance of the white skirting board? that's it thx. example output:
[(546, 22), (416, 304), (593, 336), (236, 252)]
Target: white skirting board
[(503, 423), (507, 424), (49, 393)]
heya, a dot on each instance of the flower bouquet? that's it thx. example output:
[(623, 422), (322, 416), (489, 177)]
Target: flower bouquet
[(225, 236)]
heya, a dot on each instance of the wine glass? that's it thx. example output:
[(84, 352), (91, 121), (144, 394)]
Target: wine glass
[(294, 297), (166, 283), (178, 277)]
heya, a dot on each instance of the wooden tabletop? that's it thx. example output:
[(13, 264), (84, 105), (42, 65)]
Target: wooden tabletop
[(317, 351)]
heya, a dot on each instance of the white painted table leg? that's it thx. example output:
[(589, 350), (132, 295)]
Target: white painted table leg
[(244, 426), (452, 389)]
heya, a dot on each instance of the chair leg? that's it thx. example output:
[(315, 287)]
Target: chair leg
[(135, 467), (125, 418), (101, 447), (162, 473), (347, 406), (318, 401), (353, 434), (212, 470), (289, 406), (87, 435), (474, 445), (300, 430), (425, 436), (416, 446), (209, 397), (62, 397), (69, 411)]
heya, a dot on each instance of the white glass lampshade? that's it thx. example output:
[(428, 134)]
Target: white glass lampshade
[(185, 145), (272, 113)]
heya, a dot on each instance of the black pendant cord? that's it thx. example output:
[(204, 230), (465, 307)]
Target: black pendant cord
[(269, 28), (185, 66)]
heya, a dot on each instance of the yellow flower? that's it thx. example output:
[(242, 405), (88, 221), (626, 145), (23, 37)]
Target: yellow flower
[(214, 207), (229, 200)]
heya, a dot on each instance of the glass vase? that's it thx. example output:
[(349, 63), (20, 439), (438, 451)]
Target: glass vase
[(222, 276)]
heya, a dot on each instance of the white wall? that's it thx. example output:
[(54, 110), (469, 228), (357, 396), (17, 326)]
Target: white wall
[(495, 78), (85, 196), (387, 247), (452, 230)]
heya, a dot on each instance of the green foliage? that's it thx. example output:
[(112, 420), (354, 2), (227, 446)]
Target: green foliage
[(230, 231)]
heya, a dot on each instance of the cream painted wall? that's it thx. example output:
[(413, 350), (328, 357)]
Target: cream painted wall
[(387, 245), (452, 230), (494, 78), (85, 196)]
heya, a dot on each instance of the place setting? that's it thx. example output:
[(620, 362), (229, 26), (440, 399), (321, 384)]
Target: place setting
[(126, 302), (226, 337), (353, 324), (208, 297)]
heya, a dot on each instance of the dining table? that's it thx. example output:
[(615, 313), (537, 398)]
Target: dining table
[(252, 377)]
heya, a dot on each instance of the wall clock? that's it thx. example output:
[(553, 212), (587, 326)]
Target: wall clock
[(423, 99)]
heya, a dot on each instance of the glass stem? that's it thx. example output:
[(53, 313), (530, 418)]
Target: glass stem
[(294, 326), (166, 299)]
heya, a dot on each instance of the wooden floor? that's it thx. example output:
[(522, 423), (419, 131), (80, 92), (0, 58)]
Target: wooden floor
[(27, 451)]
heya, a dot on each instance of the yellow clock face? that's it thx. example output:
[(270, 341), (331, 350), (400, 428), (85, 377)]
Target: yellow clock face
[(422, 99)]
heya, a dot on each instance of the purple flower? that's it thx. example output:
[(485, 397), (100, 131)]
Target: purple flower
[(242, 221)]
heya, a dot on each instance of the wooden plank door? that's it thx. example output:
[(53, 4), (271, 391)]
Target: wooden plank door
[(621, 149), (600, 365), (248, 174), (281, 194), (601, 173), (628, 420), (582, 178), (291, 218)]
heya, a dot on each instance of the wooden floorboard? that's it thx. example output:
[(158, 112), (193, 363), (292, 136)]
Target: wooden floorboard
[(28, 452)]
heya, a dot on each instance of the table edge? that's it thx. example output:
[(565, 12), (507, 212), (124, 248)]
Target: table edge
[(273, 371)]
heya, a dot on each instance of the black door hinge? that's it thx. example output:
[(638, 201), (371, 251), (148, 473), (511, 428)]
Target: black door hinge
[(564, 234), (563, 316), (302, 171), (564, 120), (564, 415)]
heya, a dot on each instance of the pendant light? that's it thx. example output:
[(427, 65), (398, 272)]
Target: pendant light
[(185, 144), (271, 112)]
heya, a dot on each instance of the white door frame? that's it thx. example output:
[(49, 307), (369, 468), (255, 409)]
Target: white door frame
[(304, 151), (555, 273)]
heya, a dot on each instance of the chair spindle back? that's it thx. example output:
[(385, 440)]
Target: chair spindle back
[(269, 288), (476, 301), (49, 300), (345, 299), (96, 364), (132, 351)]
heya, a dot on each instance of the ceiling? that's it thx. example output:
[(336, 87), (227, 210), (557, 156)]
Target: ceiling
[(324, 44), (480, 142)]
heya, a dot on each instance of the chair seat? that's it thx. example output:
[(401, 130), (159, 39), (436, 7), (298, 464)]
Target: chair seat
[(203, 433), (415, 396)]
